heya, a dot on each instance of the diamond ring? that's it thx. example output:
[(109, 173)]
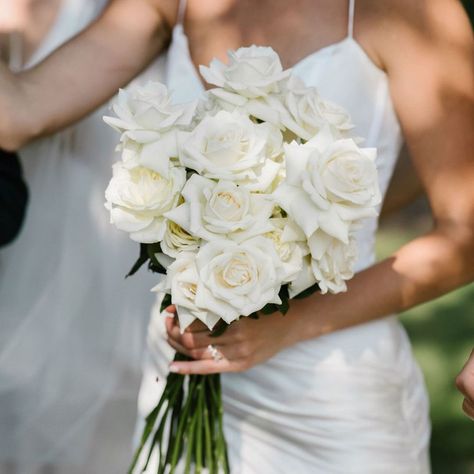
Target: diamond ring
[(216, 354)]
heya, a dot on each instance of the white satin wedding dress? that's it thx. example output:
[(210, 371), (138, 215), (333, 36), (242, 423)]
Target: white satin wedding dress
[(71, 327), (350, 402)]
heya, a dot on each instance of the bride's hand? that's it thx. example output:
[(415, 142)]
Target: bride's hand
[(244, 344)]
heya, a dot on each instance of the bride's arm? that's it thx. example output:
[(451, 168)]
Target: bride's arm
[(83, 73), (431, 72), (404, 187), (429, 58)]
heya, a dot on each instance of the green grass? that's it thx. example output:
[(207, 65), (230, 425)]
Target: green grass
[(442, 333)]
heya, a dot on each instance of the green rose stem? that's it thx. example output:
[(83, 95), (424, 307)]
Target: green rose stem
[(187, 420), (199, 431), (190, 445)]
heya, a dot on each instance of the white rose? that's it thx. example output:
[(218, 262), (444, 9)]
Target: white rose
[(290, 246), (181, 281), (216, 210), (308, 113), (230, 146), (138, 199), (237, 279), (332, 261), (329, 184), (274, 143), (147, 149), (176, 240), (336, 116), (267, 109), (148, 121), (148, 108), (304, 279), (209, 105), (252, 72)]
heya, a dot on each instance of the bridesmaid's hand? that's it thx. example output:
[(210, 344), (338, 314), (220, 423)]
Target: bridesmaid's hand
[(246, 343), (465, 384)]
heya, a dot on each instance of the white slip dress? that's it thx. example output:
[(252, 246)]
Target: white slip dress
[(71, 327), (353, 401)]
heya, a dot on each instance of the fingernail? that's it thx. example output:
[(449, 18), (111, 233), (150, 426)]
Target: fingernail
[(174, 368)]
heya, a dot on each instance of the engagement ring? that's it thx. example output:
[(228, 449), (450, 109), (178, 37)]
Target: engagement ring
[(216, 355)]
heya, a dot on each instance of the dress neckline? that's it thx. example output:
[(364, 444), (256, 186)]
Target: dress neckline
[(348, 41)]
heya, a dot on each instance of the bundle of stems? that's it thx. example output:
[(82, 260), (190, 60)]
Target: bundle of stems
[(186, 425)]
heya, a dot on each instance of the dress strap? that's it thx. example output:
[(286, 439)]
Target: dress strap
[(350, 21), (181, 12), (15, 51)]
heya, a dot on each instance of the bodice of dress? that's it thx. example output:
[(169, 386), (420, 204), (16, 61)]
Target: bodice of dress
[(344, 74)]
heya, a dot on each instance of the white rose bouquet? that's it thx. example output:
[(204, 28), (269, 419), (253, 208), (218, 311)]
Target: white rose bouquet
[(242, 201)]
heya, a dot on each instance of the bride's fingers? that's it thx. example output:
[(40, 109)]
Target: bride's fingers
[(204, 354), (169, 324), (230, 353), (197, 326), (206, 366), (178, 347), (189, 340), (193, 353)]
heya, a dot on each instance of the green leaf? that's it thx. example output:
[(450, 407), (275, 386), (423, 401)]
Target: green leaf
[(166, 302), (285, 300), (269, 308), (140, 261), (189, 172), (283, 308), (154, 265), (308, 292)]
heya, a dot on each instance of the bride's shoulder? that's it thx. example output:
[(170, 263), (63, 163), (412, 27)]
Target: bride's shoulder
[(392, 29)]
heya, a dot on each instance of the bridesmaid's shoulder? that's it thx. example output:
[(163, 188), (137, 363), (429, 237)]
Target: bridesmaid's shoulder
[(391, 28), (167, 9)]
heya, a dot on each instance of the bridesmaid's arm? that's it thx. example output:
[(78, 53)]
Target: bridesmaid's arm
[(83, 73), (429, 57)]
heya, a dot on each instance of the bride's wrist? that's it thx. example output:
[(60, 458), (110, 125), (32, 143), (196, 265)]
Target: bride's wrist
[(313, 317)]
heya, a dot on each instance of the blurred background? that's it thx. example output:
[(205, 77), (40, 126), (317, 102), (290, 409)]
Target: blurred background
[(442, 331)]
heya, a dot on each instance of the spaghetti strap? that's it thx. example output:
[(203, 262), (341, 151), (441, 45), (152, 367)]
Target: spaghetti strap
[(350, 21), (181, 12), (15, 51)]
